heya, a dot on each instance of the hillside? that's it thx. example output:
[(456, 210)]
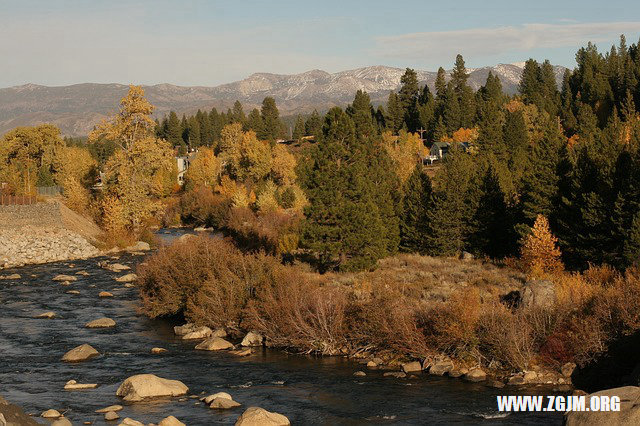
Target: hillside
[(77, 108)]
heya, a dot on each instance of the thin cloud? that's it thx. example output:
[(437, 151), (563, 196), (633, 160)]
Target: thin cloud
[(499, 40)]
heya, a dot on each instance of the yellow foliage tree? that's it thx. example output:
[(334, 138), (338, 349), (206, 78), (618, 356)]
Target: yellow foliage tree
[(540, 254), (73, 162), (204, 170), (76, 195), (283, 165), (406, 150), (142, 170), (251, 159), (463, 135)]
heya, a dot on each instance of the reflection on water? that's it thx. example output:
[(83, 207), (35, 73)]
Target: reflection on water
[(307, 389)]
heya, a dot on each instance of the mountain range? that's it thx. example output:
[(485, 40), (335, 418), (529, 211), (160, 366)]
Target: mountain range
[(77, 108)]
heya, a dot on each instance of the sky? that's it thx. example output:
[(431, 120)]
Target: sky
[(206, 43)]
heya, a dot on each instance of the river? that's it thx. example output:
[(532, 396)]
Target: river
[(308, 390)]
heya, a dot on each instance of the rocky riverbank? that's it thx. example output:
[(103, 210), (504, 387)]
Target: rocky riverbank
[(32, 244)]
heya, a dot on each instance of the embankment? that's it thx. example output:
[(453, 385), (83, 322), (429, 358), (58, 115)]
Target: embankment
[(44, 232)]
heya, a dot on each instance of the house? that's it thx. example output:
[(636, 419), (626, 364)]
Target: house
[(439, 150), (183, 162)]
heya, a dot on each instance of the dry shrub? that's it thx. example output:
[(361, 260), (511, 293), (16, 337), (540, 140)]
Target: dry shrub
[(208, 280), (276, 231), (301, 314), (202, 207)]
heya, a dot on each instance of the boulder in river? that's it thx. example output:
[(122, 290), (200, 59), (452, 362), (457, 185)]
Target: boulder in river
[(242, 352), (116, 267), (80, 353), (141, 386), (111, 415), (105, 294), (130, 422), (73, 385), (412, 367), (72, 292), (110, 408), (628, 415), (209, 399), (47, 315), (214, 344), (252, 339), (181, 330), (101, 323), (359, 374), (51, 414), (62, 277), (10, 277), (475, 375), (139, 246), (129, 278), (442, 367), (157, 351), (256, 416), (198, 333), (62, 421), (170, 421), (223, 404)]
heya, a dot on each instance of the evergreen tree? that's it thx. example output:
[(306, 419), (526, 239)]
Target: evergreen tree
[(174, 130), (416, 204), (395, 114), (361, 113), (408, 99), (298, 129), (272, 127), (516, 142), (463, 94), (237, 114), (313, 125), (254, 121)]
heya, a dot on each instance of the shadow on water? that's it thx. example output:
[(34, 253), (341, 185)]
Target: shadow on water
[(309, 390)]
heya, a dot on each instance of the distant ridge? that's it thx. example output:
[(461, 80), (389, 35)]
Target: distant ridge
[(78, 107)]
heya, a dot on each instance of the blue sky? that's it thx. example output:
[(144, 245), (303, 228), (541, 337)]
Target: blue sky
[(59, 42)]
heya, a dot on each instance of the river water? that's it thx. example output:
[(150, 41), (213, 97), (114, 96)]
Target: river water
[(308, 390)]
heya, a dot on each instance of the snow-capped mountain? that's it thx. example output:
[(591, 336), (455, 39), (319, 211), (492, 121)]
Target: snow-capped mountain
[(77, 108)]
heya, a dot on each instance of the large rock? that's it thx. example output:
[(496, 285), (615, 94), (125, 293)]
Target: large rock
[(101, 323), (12, 415), (141, 386), (538, 293), (62, 277), (412, 367), (10, 277), (252, 339), (170, 421), (50, 414), (440, 368), (62, 421), (628, 415), (256, 416), (476, 375), (210, 398), (129, 278), (181, 330), (198, 333), (80, 353), (214, 344), (139, 246), (223, 404)]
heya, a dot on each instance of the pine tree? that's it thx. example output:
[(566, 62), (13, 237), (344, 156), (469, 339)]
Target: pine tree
[(408, 98), (254, 121), (313, 125), (516, 141), (361, 113), (174, 130), (298, 129), (463, 94), (416, 204), (395, 114), (237, 114), (272, 127)]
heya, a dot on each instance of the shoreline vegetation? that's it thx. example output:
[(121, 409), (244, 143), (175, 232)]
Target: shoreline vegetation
[(450, 315)]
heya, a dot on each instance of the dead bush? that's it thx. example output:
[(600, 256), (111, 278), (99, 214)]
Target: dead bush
[(202, 207)]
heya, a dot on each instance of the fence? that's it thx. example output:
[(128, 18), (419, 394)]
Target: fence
[(49, 191), (7, 200)]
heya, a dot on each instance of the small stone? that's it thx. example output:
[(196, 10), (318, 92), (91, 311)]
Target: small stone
[(10, 277), (496, 384), (198, 333), (242, 352), (50, 414), (170, 421), (252, 339), (359, 374), (567, 369), (110, 408), (73, 385), (101, 323), (530, 376), (47, 315), (371, 364), (111, 415), (458, 372), (475, 375), (396, 374), (63, 277), (210, 398), (516, 380), (157, 351), (130, 422), (223, 404)]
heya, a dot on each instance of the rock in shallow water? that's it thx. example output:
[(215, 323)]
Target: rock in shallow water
[(214, 344), (223, 404), (101, 323), (170, 421), (111, 415), (256, 416), (110, 408), (47, 315), (141, 386), (252, 339), (80, 353)]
